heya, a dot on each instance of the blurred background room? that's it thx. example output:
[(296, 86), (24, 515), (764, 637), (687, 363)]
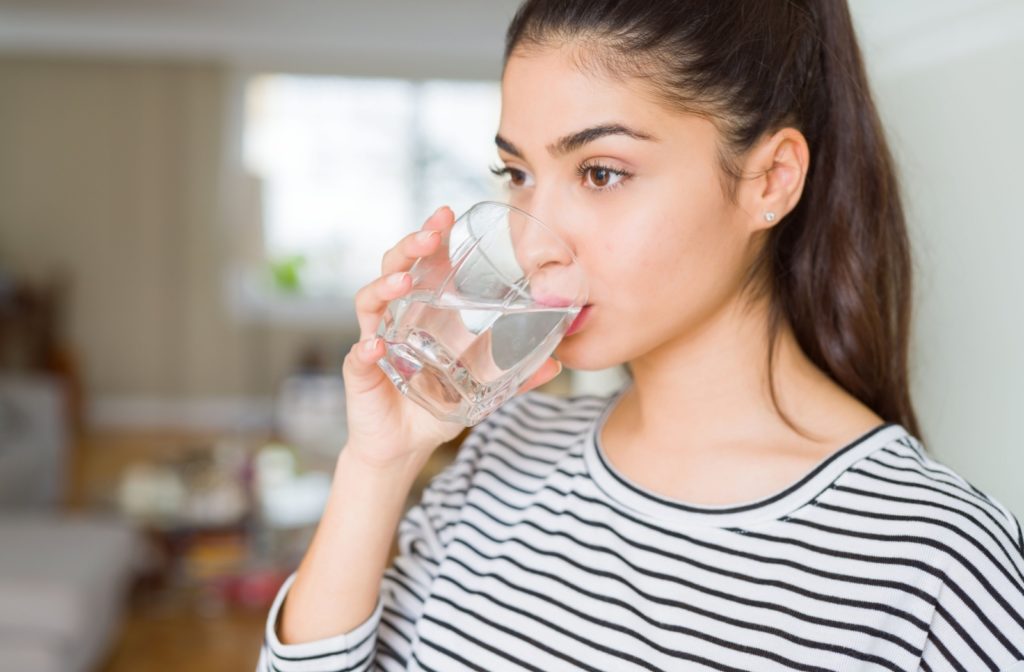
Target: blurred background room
[(192, 190)]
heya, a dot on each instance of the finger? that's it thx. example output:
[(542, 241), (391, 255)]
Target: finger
[(360, 368), (401, 256), (547, 372), (372, 300)]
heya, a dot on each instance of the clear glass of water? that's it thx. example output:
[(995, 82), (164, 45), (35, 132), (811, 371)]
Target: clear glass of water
[(485, 311)]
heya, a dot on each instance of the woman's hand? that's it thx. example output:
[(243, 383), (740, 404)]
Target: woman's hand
[(385, 428)]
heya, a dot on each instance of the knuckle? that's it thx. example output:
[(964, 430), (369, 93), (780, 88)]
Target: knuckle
[(400, 256), (360, 301), (364, 296), (388, 260), (349, 358)]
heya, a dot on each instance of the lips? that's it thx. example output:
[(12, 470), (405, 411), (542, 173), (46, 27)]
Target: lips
[(552, 301), (580, 320)]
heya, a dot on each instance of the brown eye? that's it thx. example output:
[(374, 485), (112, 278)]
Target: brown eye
[(600, 176), (516, 178)]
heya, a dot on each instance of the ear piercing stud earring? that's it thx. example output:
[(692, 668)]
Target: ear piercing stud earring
[(769, 216)]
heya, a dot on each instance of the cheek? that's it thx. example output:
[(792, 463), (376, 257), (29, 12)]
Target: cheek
[(663, 259), (661, 275)]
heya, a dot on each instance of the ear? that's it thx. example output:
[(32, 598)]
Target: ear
[(778, 165)]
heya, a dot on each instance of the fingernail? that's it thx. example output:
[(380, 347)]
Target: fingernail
[(370, 345), (425, 236), (395, 279), (438, 211)]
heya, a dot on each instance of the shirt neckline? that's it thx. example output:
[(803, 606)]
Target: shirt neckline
[(772, 507)]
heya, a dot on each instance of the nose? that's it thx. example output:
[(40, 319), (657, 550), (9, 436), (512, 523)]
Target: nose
[(547, 260), (537, 245)]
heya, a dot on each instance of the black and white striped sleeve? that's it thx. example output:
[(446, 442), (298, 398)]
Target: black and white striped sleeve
[(384, 641), (978, 622)]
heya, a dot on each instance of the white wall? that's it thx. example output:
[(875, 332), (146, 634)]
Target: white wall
[(954, 117)]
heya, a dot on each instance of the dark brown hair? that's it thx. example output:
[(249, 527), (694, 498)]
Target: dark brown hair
[(838, 267)]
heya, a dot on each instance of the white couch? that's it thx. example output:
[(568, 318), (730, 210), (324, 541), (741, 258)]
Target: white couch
[(63, 577)]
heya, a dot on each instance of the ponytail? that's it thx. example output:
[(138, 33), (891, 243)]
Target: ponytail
[(842, 266)]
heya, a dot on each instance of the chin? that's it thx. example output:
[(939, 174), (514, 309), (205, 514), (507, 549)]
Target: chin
[(586, 351)]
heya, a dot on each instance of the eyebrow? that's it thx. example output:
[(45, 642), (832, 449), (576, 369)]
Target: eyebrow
[(574, 141)]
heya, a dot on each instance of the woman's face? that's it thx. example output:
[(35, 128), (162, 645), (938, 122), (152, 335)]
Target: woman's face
[(642, 206)]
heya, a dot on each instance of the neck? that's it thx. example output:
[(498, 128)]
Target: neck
[(709, 388)]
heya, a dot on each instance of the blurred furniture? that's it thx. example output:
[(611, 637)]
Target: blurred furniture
[(195, 509), (63, 577), (33, 442), (33, 335)]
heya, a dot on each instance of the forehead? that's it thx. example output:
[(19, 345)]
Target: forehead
[(545, 93)]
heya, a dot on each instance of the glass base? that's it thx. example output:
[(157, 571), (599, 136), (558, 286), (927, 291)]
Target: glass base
[(419, 379)]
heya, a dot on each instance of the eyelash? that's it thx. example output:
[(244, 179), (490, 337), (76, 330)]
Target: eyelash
[(581, 171)]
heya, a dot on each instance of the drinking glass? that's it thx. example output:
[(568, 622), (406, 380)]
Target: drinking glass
[(485, 311)]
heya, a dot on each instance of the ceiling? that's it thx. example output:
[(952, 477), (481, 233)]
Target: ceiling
[(439, 37), (459, 38)]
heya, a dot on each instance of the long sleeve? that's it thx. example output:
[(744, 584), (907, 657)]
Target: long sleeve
[(978, 623), (385, 639)]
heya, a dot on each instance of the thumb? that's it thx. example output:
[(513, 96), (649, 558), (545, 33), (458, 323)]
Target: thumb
[(360, 368)]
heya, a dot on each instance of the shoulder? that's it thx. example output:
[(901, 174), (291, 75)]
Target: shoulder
[(536, 428), (540, 416), (529, 429), (907, 503), (904, 473), (902, 507), (544, 408)]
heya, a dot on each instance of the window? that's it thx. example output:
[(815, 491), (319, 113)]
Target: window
[(347, 166)]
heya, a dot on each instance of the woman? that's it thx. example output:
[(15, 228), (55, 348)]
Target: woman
[(757, 497)]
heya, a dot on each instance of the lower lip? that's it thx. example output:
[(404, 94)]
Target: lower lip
[(578, 323)]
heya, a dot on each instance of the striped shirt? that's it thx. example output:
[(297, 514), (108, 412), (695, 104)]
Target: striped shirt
[(531, 552)]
